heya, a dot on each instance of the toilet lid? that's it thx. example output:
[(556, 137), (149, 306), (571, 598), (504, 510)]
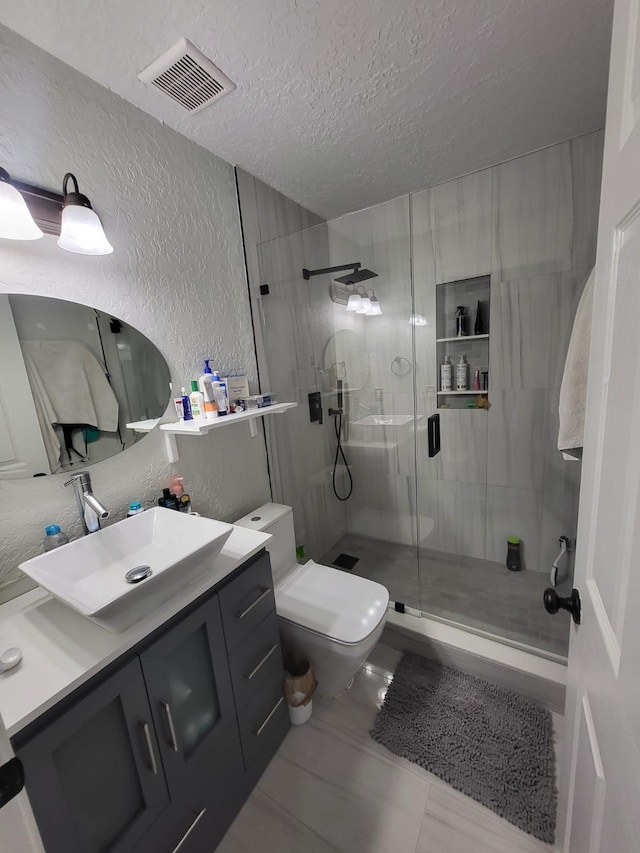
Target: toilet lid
[(343, 607)]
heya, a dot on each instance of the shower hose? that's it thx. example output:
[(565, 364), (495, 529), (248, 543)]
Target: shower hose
[(337, 423)]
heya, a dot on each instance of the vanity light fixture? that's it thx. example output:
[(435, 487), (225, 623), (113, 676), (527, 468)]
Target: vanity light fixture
[(375, 309), (354, 303), (365, 303), (81, 230), (16, 221), (418, 320)]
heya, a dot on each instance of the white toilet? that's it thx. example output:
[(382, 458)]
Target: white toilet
[(332, 617)]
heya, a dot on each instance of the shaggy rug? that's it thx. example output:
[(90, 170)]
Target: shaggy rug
[(489, 743)]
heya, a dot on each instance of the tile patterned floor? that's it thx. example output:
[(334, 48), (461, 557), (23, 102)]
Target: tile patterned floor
[(472, 592), (331, 788)]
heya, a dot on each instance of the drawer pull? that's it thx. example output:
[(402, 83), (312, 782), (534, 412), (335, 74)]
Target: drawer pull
[(271, 713), (248, 610), (172, 729), (149, 743), (189, 831), (259, 666)]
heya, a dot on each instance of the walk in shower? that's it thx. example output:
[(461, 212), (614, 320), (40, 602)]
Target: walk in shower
[(435, 499)]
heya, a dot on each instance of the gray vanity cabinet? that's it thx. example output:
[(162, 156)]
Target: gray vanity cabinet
[(94, 773), (158, 755)]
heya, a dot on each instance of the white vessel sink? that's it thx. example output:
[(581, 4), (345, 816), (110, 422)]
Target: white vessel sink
[(88, 574)]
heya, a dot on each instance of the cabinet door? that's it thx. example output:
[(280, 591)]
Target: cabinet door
[(189, 689), (94, 775)]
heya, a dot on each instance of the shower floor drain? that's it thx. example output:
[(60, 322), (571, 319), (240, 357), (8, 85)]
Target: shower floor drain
[(345, 561)]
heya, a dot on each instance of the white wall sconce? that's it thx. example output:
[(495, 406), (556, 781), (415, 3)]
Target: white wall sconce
[(16, 221), (28, 212), (81, 230), (418, 320)]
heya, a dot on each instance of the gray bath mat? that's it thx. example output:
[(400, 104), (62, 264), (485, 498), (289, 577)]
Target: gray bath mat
[(489, 743)]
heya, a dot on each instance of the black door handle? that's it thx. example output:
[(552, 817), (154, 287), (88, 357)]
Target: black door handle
[(433, 432), (554, 602)]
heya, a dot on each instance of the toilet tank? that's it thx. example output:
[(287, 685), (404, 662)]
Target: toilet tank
[(276, 519)]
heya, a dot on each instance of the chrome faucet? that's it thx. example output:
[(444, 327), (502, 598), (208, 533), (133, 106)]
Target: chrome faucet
[(90, 509)]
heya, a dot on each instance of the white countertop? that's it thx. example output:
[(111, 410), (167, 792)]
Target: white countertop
[(61, 649)]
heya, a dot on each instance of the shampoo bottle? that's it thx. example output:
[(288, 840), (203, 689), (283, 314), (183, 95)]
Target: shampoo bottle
[(196, 398), (462, 374), (206, 389), (445, 374)]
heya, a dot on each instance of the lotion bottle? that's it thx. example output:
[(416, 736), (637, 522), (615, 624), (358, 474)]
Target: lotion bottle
[(445, 374), (206, 389), (462, 374), (196, 398)]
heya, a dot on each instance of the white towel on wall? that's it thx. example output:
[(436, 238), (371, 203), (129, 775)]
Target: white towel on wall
[(573, 390)]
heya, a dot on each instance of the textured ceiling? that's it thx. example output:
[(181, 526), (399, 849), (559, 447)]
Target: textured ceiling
[(345, 103)]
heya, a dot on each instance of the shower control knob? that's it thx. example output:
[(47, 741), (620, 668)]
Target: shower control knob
[(554, 602)]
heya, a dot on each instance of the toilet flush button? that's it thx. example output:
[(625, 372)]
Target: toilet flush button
[(10, 658)]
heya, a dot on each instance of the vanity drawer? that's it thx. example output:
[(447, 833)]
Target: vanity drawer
[(257, 661), (246, 601), (265, 721)]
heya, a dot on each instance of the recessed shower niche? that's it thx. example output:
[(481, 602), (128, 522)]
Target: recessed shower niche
[(462, 330)]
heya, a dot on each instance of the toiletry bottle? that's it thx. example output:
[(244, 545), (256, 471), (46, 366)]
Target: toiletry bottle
[(176, 487), (168, 500), (177, 402), (206, 389), (462, 374), (514, 556), (135, 508), (477, 326), (220, 394), (476, 380), (186, 405), (445, 374), (461, 321), (196, 398), (54, 537)]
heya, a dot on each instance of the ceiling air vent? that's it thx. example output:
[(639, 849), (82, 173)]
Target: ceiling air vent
[(187, 76)]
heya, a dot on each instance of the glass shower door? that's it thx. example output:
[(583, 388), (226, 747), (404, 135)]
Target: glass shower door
[(356, 511)]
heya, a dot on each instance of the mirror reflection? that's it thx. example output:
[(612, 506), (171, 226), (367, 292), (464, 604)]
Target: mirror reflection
[(77, 386)]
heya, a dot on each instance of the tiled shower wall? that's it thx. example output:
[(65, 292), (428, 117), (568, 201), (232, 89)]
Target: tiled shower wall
[(531, 225)]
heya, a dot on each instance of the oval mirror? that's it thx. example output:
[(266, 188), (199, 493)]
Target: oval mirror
[(77, 386)]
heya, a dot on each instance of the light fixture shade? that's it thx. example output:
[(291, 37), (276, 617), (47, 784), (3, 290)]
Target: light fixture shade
[(16, 221), (418, 320), (355, 303), (365, 305), (375, 309), (82, 232)]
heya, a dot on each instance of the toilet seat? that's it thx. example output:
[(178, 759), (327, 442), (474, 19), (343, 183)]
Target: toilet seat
[(333, 604)]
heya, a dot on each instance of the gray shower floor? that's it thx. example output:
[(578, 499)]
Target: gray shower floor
[(474, 593)]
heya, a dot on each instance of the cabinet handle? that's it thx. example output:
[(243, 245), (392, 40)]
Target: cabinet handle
[(172, 730), (248, 610), (149, 743), (189, 831), (271, 713), (258, 666)]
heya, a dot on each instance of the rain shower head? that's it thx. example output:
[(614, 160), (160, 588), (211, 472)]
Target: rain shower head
[(356, 277)]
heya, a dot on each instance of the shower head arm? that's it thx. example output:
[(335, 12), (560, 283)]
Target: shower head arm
[(307, 274)]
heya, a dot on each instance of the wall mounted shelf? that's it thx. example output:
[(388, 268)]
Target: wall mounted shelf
[(201, 427), (460, 393), (461, 338)]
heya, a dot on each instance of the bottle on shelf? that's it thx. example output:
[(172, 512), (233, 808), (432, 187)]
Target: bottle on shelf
[(462, 379), (461, 322), (446, 371), (54, 537)]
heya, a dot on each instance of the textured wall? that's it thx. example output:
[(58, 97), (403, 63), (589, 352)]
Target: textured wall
[(177, 274)]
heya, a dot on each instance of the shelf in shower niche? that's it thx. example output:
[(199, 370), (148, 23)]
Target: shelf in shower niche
[(460, 393), (202, 427), (460, 338)]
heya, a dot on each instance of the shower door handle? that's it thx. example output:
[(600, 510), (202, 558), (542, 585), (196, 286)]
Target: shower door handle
[(433, 431)]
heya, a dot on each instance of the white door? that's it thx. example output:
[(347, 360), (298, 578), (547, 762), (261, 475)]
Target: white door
[(22, 450), (18, 830), (600, 793)]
